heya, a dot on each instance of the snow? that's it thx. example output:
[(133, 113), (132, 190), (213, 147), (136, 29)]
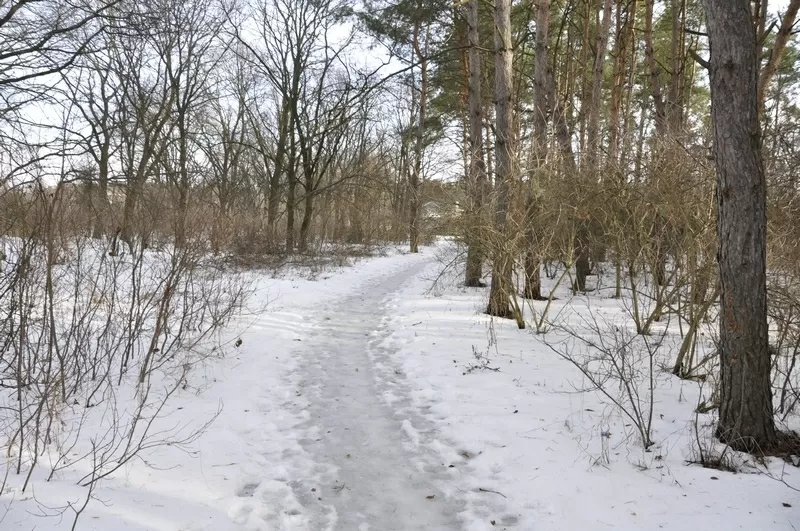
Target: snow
[(366, 399), (564, 459)]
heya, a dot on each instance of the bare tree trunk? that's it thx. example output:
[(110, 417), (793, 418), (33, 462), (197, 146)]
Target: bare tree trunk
[(291, 194), (746, 413), (593, 127), (488, 118), (476, 183), (401, 187), (624, 38), (133, 190), (652, 65), (273, 201), (669, 114), (563, 134), (503, 260), (308, 215), (103, 209), (615, 163), (183, 182), (585, 88), (533, 279), (419, 144)]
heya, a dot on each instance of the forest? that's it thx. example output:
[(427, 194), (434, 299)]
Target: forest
[(618, 180)]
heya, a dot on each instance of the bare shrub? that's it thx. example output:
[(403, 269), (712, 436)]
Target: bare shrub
[(618, 363), (93, 346)]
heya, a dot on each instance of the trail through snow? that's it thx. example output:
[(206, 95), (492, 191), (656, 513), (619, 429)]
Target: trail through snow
[(383, 478), (356, 453)]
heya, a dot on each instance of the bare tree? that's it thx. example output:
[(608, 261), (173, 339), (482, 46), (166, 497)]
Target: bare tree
[(595, 101), (226, 140), (307, 71), (92, 90), (39, 38), (186, 40), (145, 108)]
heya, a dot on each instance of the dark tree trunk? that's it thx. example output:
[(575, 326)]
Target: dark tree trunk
[(582, 268), (593, 126), (541, 72), (273, 203), (291, 196), (533, 276), (476, 182), (746, 412), (660, 268), (308, 216), (503, 260), (103, 208), (183, 184), (419, 141), (132, 193)]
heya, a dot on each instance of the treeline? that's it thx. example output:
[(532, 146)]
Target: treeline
[(255, 127)]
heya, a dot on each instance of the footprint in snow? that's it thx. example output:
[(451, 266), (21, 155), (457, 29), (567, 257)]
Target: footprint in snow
[(247, 490)]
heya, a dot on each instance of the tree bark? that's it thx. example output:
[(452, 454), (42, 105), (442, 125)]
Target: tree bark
[(291, 194), (652, 65), (305, 225), (746, 413), (593, 127), (616, 163), (624, 38), (502, 271), (273, 202), (103, 209), (477, 185), (419, 143), (183, 184), (533, 278)]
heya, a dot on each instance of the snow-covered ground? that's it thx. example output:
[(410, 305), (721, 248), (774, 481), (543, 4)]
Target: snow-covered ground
[(563, 458), (366, 400)]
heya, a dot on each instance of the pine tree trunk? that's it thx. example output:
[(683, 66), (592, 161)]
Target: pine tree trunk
[(476, 183), (621, 73), (533, 278), (593, 126), (746, 412), (502, 271), (533, 264), (419, 142)]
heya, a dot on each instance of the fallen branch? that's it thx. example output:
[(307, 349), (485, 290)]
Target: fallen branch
[(492, 491)]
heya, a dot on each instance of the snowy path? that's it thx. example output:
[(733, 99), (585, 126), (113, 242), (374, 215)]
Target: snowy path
[(383, 478)]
